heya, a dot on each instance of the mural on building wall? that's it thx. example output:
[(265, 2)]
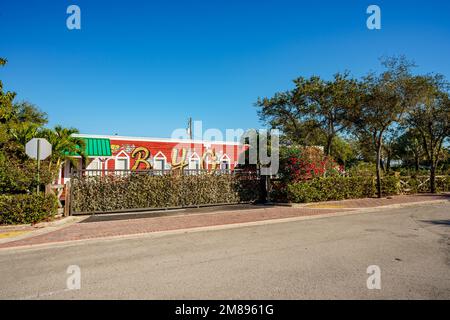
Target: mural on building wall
[(141, 155), (145, 155), (128, 148)]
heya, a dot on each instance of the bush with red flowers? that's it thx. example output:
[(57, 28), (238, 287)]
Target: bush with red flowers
[(306, 163)]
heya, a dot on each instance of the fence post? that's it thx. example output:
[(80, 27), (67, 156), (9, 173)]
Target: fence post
[(268, 188), (67, 200), (262, 188)]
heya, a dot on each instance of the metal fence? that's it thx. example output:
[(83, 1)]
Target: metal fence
[(247, 185), (157, 172)]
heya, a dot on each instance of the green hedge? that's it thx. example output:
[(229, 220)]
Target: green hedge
[(27, 208), (19, 176), (109, 193), (340, 188)]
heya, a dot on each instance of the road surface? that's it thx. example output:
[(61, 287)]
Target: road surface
[(312, 259)]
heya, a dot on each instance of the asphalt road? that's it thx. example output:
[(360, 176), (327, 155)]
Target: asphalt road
[(313, 259)]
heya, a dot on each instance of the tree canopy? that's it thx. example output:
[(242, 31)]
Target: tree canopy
[(19, 123), (364, 118)]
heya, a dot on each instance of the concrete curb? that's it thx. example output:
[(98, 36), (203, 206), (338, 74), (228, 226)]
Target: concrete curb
[(158, 234)]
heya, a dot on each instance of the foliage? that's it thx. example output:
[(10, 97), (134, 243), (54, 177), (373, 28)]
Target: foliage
[(354, 187), (340, 188), (19, 176), (330, 188), (409, 148), (27, 208), (313, 109), (363, 169), (343, 151), (63, 145), (384, 99), (305, 163), (109, 193), (19, 123), (430, 117)]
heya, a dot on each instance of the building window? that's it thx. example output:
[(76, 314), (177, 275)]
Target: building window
[(121, 163), (94, 168), (194, 162), (225, 163), (121, 166), (159, 163)]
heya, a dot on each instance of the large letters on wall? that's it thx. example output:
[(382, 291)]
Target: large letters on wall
[(141, 155), (179, 162)]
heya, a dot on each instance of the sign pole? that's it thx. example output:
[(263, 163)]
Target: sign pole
[(38, 164), (38, 149)]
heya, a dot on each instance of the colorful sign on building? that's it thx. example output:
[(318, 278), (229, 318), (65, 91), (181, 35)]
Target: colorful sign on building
[(119, 153)]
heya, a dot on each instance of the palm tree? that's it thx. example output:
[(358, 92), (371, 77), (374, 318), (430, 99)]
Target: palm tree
[(64, 145), (23, 132)]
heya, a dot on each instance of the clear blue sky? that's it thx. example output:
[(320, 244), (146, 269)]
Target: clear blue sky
[(142, 67)]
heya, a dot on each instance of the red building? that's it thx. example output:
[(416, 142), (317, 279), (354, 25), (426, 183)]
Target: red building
[(120, 154)]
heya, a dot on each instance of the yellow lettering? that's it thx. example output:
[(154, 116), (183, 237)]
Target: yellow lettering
[(181, 163), (141, 155), (212, 157)]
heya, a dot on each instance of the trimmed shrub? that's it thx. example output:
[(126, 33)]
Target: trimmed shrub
[(390, 185), (278, 191), (27, 208), (340, 188), (109, 193), (331, 188)]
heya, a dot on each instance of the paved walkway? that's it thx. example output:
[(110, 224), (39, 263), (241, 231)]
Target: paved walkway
[(101, 229)]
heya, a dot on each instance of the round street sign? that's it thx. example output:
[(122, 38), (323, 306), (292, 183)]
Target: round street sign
[(38, 148)]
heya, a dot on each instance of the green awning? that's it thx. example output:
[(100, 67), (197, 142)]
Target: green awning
[(95, 147)]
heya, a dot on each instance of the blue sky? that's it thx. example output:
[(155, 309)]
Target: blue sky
[(143, 67)]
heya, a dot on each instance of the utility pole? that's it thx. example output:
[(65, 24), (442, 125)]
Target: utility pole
[(189, 128)]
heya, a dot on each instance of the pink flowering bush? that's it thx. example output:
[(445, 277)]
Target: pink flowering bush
[(303, 164)]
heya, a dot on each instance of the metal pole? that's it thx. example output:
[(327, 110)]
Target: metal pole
[(38, 163), (190, 128)]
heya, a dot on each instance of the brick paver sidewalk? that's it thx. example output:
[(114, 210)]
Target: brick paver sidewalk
[(91, 230)]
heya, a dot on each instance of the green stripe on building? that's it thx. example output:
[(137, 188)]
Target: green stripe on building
[(95, 147)]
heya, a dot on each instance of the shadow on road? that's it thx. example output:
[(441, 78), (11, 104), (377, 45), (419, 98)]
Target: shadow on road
[(173, 212), (438, 222)]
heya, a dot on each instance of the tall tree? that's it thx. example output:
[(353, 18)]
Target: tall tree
[(431, 118), (327, 103), (6, 108), (285, 113), (389, 146), (19, 122), (384, 100), (314, 109), (409, 148)]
